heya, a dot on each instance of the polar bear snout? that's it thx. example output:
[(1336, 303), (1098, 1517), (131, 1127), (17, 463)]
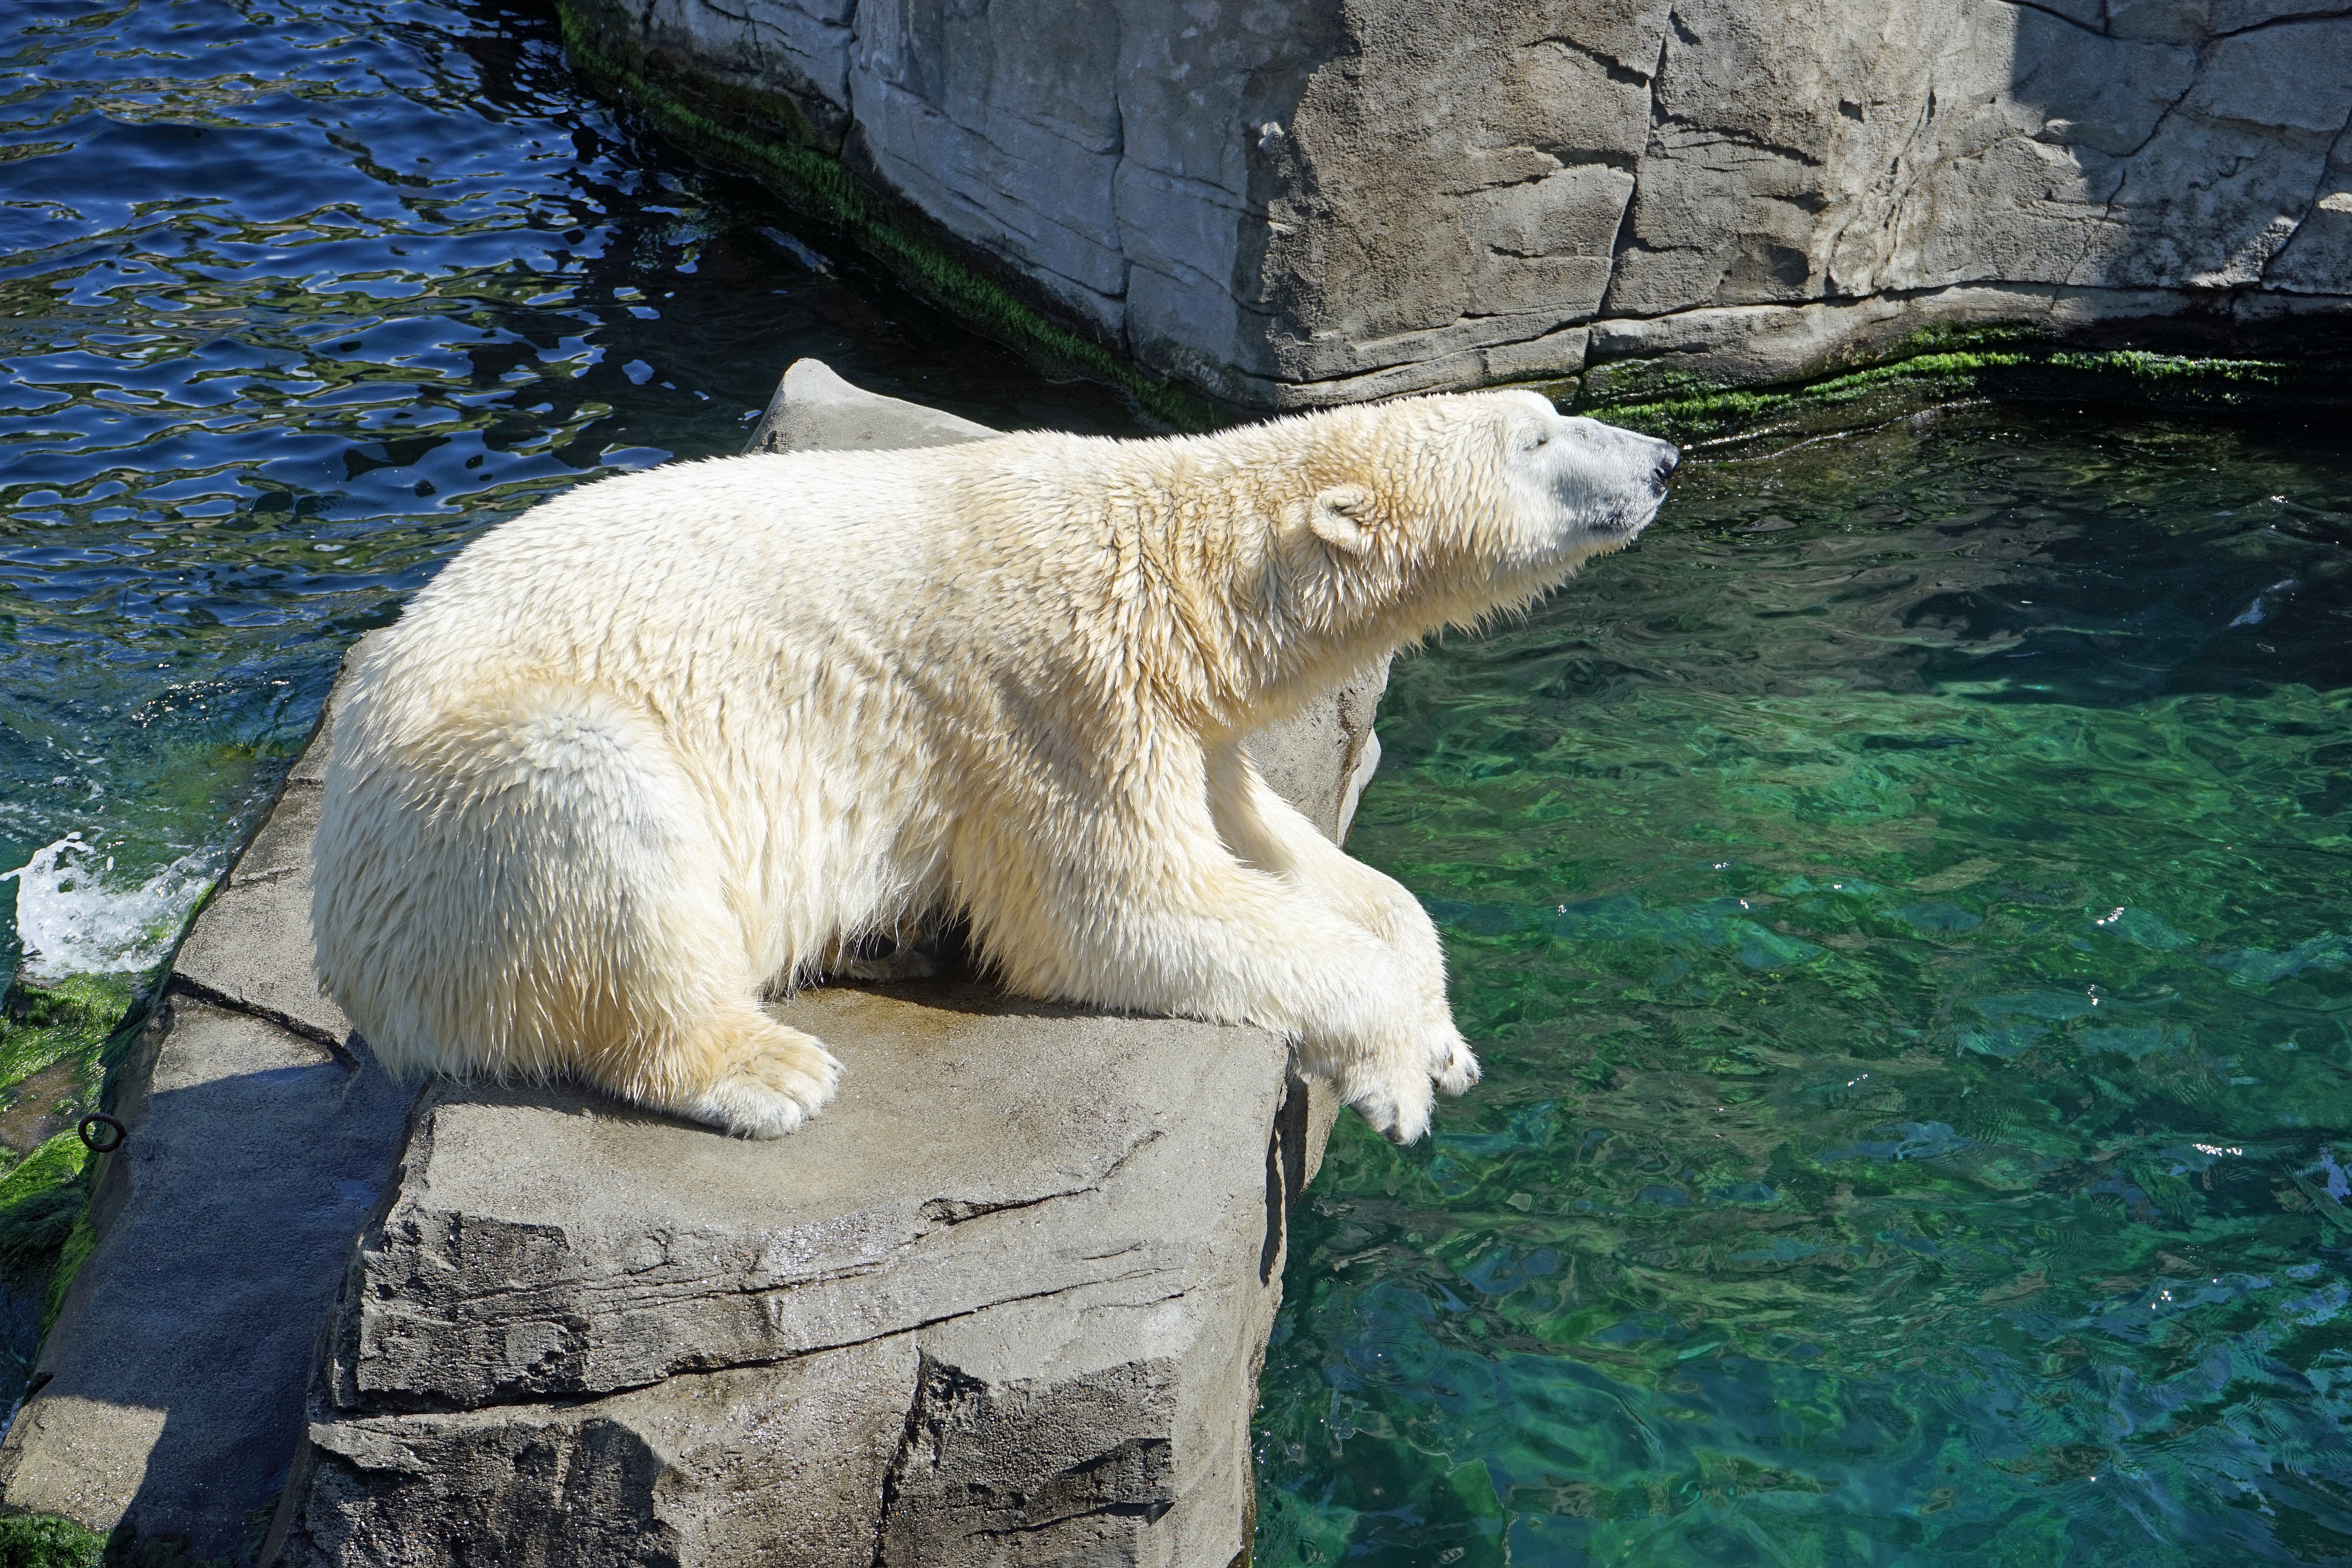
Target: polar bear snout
[(1667, 460), (1600, 484)]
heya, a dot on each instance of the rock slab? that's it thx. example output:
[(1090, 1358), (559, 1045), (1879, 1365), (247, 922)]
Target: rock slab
[(1299, 202), (1004, 1302)]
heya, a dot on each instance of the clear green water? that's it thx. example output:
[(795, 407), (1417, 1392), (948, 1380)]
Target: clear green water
[(1902, 905)]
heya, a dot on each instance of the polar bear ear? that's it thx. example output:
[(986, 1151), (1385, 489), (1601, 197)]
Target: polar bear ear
[(1340, 517)]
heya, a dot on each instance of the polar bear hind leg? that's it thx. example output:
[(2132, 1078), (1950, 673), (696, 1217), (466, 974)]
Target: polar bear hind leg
[(568, 915)]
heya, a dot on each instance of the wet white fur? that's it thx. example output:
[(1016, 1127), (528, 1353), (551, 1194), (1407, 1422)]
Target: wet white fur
[(652, 749)]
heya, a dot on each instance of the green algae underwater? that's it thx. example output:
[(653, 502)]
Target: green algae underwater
[(1901, 905)]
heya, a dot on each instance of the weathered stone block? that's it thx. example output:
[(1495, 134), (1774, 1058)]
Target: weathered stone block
[(1318, 201), (1029, 1257)]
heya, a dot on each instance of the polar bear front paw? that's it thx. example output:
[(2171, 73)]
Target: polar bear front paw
[(771, 1092), (1454, 1067), (1449, 1056), (1398, 1111)]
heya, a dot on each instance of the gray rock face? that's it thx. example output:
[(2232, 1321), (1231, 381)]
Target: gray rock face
[(1313, 201), (1010, 1288), (1003, 1302)]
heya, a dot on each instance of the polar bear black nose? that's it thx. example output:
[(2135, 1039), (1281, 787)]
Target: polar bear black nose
[(1665, 466)]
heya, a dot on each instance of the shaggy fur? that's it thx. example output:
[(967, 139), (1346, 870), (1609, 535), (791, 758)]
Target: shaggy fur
[(657, 748)]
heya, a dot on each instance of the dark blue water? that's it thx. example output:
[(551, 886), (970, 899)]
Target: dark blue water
[(295, 300)]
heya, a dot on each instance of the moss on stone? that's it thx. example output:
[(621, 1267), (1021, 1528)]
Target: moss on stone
[(46, 1022), (41, 1201), (57, 1040), (80, 1240), (2026, 370), (43, 1541), (811, 179)]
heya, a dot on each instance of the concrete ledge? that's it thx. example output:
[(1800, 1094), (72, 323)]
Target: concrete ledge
[(1005, 1301)]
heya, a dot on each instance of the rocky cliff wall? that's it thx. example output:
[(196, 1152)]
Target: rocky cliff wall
[(1292, 202)]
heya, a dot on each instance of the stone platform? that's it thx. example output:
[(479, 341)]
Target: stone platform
[(1004, 1302)]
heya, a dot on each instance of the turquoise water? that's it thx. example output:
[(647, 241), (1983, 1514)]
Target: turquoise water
[(1900, 902), (1902, 908)]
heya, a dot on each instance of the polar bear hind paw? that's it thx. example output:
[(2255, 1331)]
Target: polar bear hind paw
[(772, 1091)]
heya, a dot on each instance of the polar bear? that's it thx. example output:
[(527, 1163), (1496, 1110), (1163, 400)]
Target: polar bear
[(657, 747)]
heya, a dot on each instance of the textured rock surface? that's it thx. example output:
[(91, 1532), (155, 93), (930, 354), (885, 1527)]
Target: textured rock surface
[(170, 1395), (1010, 1287), (1303, 201), (815, 410), (1003, 1302)]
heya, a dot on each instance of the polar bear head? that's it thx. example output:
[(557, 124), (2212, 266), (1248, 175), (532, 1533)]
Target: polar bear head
[(1409, 516)]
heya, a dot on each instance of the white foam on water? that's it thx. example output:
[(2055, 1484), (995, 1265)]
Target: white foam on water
[(75, 917)]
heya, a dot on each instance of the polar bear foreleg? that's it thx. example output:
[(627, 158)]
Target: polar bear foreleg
[(1267, 832), (1166, 920)]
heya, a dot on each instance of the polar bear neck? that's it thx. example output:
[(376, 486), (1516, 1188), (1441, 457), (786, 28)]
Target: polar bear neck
[(1180, 563), (1191, 569)]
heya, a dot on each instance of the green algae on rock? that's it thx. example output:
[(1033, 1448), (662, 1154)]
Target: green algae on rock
[(2006, 364), (45, 1541), (59, 1039), (768, 135)]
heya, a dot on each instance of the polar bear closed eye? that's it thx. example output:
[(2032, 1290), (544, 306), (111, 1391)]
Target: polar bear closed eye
[(657, 747)]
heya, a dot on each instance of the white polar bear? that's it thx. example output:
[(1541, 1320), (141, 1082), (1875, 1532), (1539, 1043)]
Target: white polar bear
[(662, 744)]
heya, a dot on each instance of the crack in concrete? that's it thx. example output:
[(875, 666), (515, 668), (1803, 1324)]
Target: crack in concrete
[(1895, 190), (213, 996), (387, 1403), (2287, 21), (1725, 136), (2060, 15), (2318, 193), (1617, 69), (1625, 239)]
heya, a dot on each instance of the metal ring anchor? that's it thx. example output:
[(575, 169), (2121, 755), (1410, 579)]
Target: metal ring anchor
[(102, 1134)]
